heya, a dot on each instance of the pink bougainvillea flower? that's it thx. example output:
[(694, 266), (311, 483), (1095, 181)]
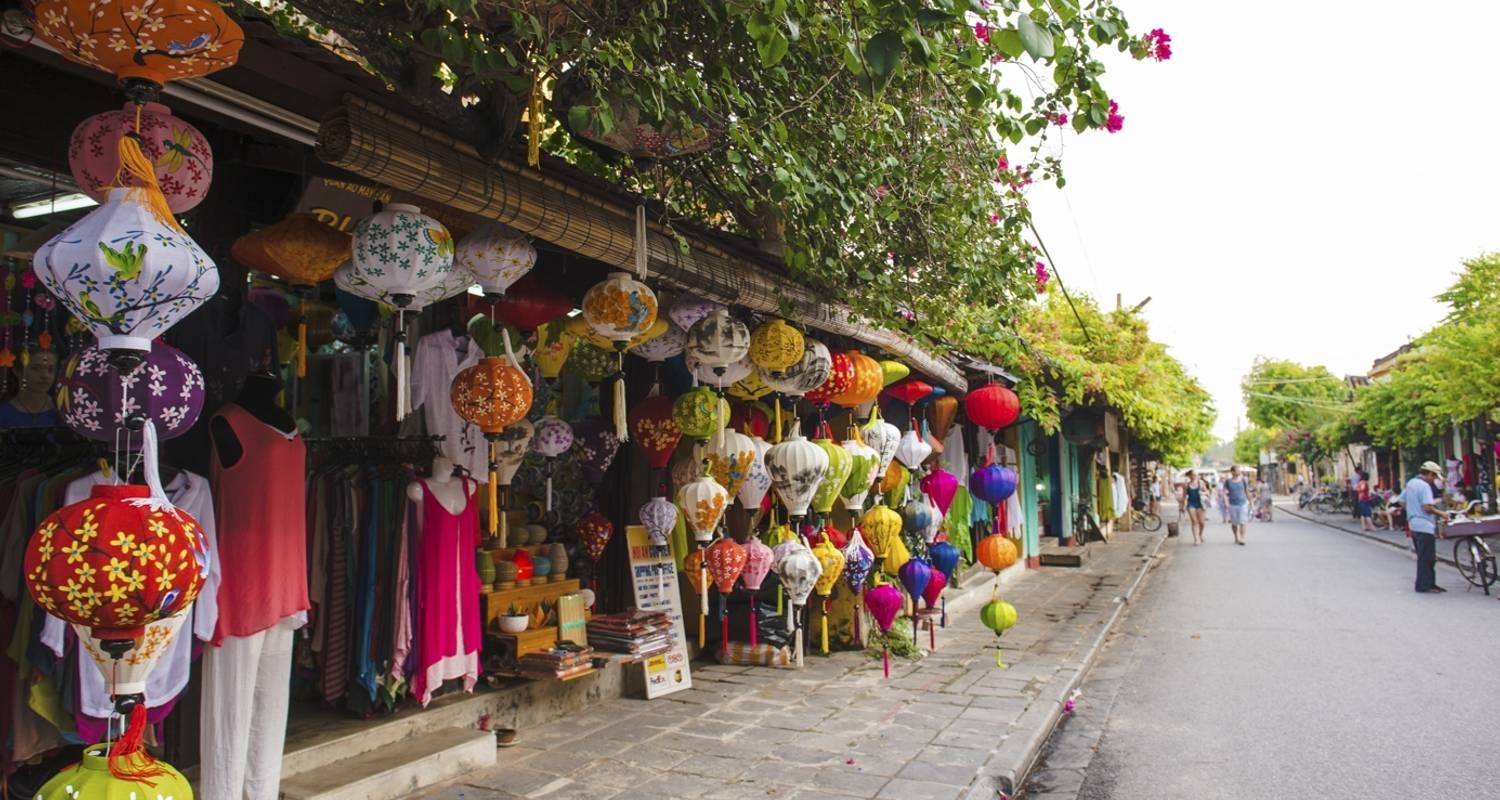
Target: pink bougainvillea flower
[(997, 58), (982, 32), (994, 218), (1042, 277), (1002, 164), (1060, 118), (1116, 120), (1158, 44)]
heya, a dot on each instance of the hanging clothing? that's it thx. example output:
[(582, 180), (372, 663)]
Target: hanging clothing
[(440, 356), (1104, 498), (261, 508), (246, 689), (169, 676), (1121, 494), (448, 628), (954, 457)]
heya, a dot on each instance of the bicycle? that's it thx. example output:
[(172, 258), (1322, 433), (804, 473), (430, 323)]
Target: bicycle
[(1147, 521), (1086, 527), (1471, 553)]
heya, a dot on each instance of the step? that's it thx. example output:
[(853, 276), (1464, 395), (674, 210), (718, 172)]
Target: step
[(1059, 556), (398, 769)]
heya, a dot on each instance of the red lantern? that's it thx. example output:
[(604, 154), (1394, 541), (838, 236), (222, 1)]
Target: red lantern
[(528, 304), (910, 391), (115, 563), (654, 430), (840, 380), (726, 560), (594, 533), (749, 418), (992, 406)]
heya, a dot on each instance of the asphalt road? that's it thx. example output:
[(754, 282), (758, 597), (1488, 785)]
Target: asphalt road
[(1301, 665)]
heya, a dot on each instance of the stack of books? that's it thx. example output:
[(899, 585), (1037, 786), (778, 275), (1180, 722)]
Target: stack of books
[(635, 632), (559, 663)]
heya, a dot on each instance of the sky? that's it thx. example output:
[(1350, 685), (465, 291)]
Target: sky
[(1298, 181)]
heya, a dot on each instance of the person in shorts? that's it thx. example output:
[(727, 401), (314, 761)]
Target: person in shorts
[(1237, 497), (1193, 495), (1365, 501)]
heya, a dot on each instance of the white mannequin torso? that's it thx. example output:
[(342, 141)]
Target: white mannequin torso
[(453, 494)]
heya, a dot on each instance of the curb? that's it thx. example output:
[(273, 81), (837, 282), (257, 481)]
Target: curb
[(1016, 756), (1302, 515)]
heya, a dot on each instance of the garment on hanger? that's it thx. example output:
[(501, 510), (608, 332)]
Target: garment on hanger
[(448, 631), (1121, 494), (439, 357)]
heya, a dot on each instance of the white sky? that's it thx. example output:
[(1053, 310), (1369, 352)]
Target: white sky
[(1297, 181)]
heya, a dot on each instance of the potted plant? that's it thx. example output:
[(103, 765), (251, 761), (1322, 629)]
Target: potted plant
[(514, 620)]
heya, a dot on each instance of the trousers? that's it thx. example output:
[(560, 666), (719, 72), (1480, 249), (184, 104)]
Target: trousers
[(246, 688), (1426, 546)]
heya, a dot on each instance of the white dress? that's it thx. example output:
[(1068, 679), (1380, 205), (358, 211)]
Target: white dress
[(439, 358)]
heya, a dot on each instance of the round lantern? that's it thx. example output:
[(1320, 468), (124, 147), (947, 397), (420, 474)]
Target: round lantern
[(729, 455), (700, 413), (910, 391), (775, 345), (797, 467), (654, 430), (840, 379), (892, 371), (992, 406), (686, 310), (881, 526), (554, 344), (495, 257), (594, 532), (95, 401), (553, 437), (840, 464), (126, 273), (492, 394), (917, 515), (810, 372), (758, 479), (145, 44), (529, 304), (179, 155), (864, 469), (945, 558), (400, 255), (996, 552), (702, 502), (799, 571), (992, 483), (749, 388), (940, 485), (659, 516), (657, 349), (999, 616), (299, 249), (866, 384), (912, 450), (718, 340), (720, 375), (592, 362), (619, 308), (656, 329), (726, 561), (94, 776), (884, 438)]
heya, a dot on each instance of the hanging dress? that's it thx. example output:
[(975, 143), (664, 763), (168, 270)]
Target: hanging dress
[(447, 629)]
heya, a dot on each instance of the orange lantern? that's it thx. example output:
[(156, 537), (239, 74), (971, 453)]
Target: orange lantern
[(996, 552), (867, 382), (492, 394), (144, 43), (299, 249)]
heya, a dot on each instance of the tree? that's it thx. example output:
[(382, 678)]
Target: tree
[(1287, 395), (1250, 442)]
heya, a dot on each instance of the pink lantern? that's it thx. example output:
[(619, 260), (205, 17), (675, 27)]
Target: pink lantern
[(936, 583), (884, 602), (181, 157), (940, 485)]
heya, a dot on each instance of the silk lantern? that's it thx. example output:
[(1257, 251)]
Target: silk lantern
[(940, 485), (700, 413), (944, 557), (864, 469), (831, 561), (591, 362), (895, 557), (999, 616), (495, 257), (180, 157), (511, 448), (750, 388), (757, 478), (697, 575), (657, 349), (494, 336), (726, 560), (866, 383), (98, 774), (619, 308), (910, 391), (721, 375), (799, 571), (882, 527), (493, 394), (914, 575), (687, 309), (797, 467), (96, 401), (659, 516), (729, 455), (884, 438), (884, 603), (299, 249), (758, 562), (932, 594), (750, 418), (144, 43), (656, 329), (917, 515), (893, 484), (553, 437), (702, 502), (554, 343), (992, 406), (810, 372), (594, 532), (992, 483), (996, 552), (912, 450), (596, 445), (840, 379), (775, 345), (717, 341), (127, 271), (858, 561), (892, 371), (654, 430), (840, 464), (941, 413), (399, 257), (530, 303)]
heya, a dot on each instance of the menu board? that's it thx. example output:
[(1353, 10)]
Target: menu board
[(653, 572)]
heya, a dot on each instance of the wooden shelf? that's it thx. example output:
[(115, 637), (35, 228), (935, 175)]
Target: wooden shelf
[(525, 598)]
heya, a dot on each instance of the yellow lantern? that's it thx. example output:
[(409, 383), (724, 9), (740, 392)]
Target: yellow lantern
[(775, 345), (554, 343), (881, 525)]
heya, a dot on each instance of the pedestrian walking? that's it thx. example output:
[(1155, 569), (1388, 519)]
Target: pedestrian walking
[(1194, 493), (1237, 503), (1422, 524), (1264, 501), (1365, 501), (1155, 507), (1221, 499)]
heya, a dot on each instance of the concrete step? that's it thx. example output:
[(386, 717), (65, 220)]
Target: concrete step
[(1053, 555), (398, 769)]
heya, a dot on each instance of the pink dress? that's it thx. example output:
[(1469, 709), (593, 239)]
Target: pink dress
[(447, 630)]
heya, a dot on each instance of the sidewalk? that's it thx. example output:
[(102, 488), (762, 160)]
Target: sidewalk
[(1347, 524), (951, 725)]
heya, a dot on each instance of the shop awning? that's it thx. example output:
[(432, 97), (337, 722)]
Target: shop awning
[(382, 146)]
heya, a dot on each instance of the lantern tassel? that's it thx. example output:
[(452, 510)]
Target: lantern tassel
[(549, 488), (754, 619), (777, 436), (534, 123), (135, 164), (641, 260), (494, 498), (824, 631), (999, 662), (622, 428), (302, 348), (128, 757), (859, 604), (723, 625), (800, 638), (157, 500), (400, 358), (885, 660), (945, 612), (931, 635)]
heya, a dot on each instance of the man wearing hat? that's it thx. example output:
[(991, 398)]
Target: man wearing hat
[(1422, 515)]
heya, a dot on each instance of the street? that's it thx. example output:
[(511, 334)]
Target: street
[(1302, 665)]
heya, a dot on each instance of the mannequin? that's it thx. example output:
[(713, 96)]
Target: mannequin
[(32, 407), (451, 493), (259, 398), (447, 630)]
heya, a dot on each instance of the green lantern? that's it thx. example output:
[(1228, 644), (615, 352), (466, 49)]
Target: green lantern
[(91, 779), (840, 462), (999, 616), (592, 362), (488, 334), (700, 413)]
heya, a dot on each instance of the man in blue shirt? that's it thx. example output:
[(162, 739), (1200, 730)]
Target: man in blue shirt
[(1422, 515)]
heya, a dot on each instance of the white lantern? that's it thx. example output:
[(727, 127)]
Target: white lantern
[(511, 447), (912, 450), (126, 273), (702, 502), (758, 480), (495, 257), (730, 454), (553, 437), (805, 375), (399, 256), (687, 310), (799, 571), (659, 517), (863, 455), (718, 340), (718, 376), (884, 437), (797, 467), (660, 348), (127, 675), (619, 308)]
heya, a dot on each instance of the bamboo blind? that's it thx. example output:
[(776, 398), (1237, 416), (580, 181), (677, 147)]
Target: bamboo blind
[(381, 146)]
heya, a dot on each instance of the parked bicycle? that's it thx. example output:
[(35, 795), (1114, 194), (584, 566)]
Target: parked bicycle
[(1086, 527), (1471, 552), (1145, 519)]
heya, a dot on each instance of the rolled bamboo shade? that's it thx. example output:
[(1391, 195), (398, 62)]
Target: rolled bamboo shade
[(381, 146)]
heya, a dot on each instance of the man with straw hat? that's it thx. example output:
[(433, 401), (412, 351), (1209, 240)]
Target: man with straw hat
[(1422, 519)]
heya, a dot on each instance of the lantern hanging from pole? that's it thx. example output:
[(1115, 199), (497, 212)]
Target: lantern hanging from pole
[(595, 443), (910, 391), (659, 516), (729, 455), (399, 256), (654, 430), (992, 406), (299, 249), (940, 485), (840, 379), (999, 616), (687, 309), (892, 371), (810, 372), (493, 394), (594, 532), (884, 603), (799, 571), (725, 375), (702, 502), (726, 561), (718, 340), (797, 467), (700, 413), (619, 308), (179, 155), (882, 527), (553, 437), (749, 388), (945, 557), (992, 483), (831, 485), (866, 384), (858, 560), (917, 515), (591, 362), (884, 438), (96, 400), (758, 562), (912, 450), (758, 479), (554, 343), (831, 564), (496, 257), (657, 349), (775, 345), (893, 484), (864, 469), (144, 43), (996, 552), (941, 413), (530, 303)]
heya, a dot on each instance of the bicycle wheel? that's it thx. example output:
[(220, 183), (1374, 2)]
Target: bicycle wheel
[(1469, 557), (1150, 522)]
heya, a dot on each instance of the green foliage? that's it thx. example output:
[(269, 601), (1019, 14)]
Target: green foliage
[(1116, 363), (1249, 443), (1285, 394)]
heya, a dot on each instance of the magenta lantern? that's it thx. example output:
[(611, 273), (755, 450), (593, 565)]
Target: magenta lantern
[(183, 161), (940, 485)]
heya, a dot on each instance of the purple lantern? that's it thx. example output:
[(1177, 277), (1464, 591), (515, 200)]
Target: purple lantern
[(596, 443), (940, 485), (914, 575), (992, 483), (944, 557), (858, 560), (167, 388)]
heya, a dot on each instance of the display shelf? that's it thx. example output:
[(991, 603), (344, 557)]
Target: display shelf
[(525, 598)]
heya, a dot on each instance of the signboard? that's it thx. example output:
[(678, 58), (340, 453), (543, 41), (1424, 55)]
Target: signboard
[(653, 573)]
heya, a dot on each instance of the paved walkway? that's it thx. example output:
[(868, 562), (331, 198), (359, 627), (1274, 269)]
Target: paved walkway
[(951, 725), (1347, 524)]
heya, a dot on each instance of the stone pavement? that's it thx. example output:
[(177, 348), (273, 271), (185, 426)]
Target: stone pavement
[(951, 725), (1348, 524)]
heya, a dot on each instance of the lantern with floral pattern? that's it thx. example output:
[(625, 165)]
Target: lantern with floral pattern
[(775, 345), (495, 257), (96, 401), (299, 249), (179, 155), (142, 42)]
